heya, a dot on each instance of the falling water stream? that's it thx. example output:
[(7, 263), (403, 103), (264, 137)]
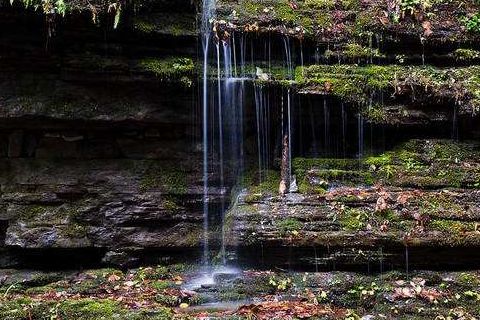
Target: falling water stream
[(223, 103), (207, 14)]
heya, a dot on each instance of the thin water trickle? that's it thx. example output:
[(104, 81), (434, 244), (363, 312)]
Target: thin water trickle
[(455, 122), (312, 126), (360, 135), (207, 15), (220, 147), (344, 129), (258, 90), (289, 120), (301, 58), (326, 126), (406, 263), (288, 56), (224, 125), (381, 262)]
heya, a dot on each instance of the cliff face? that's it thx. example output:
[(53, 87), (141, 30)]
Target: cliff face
[(100, 130), (98, 135)]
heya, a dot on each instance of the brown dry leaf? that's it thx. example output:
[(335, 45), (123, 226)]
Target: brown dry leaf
[(113, 278), (427, 28), (381, 205), (404, 292), (384, 19), (327, 86)]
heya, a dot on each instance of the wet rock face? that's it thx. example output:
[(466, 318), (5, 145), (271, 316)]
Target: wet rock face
[(386, 210)]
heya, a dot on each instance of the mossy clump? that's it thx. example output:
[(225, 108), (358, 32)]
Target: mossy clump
[(260, 186), (356, 84), (466, 55), (172, 69), (356, 52), (165, 177), (32, 211), (289, 225), (452, 226), (303, 164), (165, 23), (348, 82), (353, 219), (170, 204)]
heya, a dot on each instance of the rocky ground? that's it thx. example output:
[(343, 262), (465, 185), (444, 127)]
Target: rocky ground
[(159, 293)]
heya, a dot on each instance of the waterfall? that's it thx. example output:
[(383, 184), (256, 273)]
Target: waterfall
[(220, 148), (258, 88), (455, 122), (207, 14), (289, 131), (326, 127), (360, 135), (262, 115), (288, 56), (222, 131)]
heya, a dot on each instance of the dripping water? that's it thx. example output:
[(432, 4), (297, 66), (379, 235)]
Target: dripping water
[(288, 56), (455, 122), (220, 147), (312, 125), (406, 262), (422, 41), (344, 129), (326, 126), (360, 135), (258, 90), (207, 14), (289, 123)]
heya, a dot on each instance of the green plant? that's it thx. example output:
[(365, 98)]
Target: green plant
[(472, 22), (280, 284), (409, 6), (364, 291), (48, 7)]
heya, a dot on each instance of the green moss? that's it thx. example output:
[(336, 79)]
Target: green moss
[(164, 176), (161, 285), (32, 211), (167, 300), (144, 26), (345, 176), (170, 69), (74, 231), (165, 23), (452, 226), (379, 161), (466, 54), (268, 185), (357, 51), (154, 273), (288, 225), (345, 81), (468, 280), (353, 219), (439, 205), (304, 164), (320, 4), (356, 83), (170, 205), (305, 188), (100, 308)]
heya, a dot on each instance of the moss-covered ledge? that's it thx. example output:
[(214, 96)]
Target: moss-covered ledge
[(438, 21), (422, 195)]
